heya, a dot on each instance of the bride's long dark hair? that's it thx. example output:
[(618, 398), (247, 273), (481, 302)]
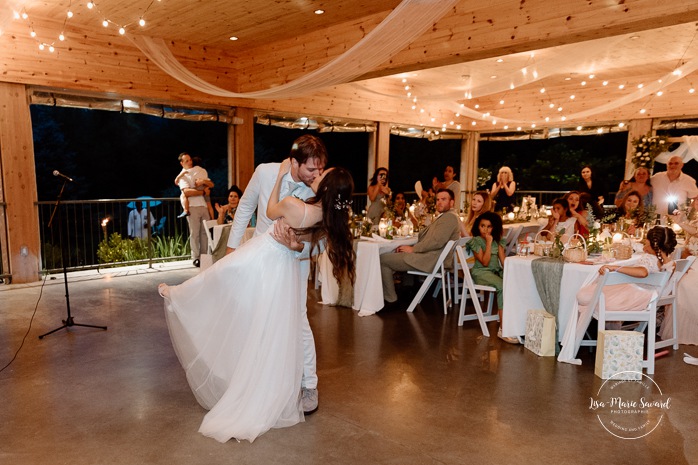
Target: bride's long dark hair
[(334, 195)]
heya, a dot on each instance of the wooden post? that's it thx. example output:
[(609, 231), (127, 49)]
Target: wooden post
[(242, 164), (636, 129), (469, 160), (383, 145), (18, 183)]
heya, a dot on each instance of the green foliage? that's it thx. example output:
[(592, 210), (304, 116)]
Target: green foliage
[(118, 249), (171, 246)]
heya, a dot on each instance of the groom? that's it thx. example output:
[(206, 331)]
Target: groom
[(308, 159)]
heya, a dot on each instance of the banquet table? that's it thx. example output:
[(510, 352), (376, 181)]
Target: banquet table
[(521, 294), (368, 287)]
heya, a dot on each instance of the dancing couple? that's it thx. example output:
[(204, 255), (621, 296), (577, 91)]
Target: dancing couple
[(240, 328)]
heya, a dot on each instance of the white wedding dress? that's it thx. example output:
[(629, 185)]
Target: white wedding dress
[(236, 329)]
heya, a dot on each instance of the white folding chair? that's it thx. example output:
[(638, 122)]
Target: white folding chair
[(474, 290), (454, 271), (647, 314), (667, 301), (437, 273), (511, 238), (208, 224)]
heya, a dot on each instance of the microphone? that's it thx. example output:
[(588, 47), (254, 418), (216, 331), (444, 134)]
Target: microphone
[(58, 173)]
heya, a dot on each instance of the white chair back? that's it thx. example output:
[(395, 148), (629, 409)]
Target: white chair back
[(667, 301), (208, 224)]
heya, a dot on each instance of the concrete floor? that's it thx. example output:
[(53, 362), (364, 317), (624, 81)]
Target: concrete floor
[(395, 388)]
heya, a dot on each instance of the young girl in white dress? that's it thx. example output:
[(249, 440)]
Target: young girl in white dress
[(236, 327)]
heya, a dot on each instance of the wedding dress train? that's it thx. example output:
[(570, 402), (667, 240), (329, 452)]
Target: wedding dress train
[(236, 329)]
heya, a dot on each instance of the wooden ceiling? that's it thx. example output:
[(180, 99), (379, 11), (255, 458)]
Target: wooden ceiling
[(461, 70)]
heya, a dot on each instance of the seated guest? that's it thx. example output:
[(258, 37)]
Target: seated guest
[(489, 248), (631, 211), (480, 203), (561, 221), (226, 213), (401, 212), (423, 255), (640, 183), (658, 247), (578, 210)]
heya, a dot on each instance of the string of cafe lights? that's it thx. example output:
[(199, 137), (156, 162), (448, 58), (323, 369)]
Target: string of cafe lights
[(585, 83), (91, 5)]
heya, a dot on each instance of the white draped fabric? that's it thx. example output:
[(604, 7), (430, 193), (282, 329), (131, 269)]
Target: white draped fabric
[(409, 20), (688, 150)]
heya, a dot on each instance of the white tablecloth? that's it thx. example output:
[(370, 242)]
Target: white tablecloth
[(218, 230), (521, 294), (368, 287)]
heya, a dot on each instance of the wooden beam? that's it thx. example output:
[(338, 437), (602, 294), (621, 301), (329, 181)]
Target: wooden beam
[(19, 183)]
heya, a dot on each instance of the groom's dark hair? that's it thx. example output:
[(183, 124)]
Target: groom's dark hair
[(308, 146)]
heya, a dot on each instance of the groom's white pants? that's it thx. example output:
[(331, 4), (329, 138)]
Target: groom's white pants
[(309, 364)]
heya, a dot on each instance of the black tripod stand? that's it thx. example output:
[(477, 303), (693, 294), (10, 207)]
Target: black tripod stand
[(69, 320)]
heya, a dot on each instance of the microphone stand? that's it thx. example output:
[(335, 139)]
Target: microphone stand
[(68, 322)]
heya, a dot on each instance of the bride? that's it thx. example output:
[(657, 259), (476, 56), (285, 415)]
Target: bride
[(236, 327)]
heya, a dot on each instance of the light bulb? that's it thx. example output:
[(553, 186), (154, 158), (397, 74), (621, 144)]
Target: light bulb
[(141, 22), (70, 14), (122, 31), (61, 37), (90, 5), (105, 23)]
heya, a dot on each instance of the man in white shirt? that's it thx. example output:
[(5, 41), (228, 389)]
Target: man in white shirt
[(198, 211), (672, 187), (308, 159)]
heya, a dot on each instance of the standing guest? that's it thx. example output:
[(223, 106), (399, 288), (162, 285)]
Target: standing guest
[(503, 189), (138, 223), (480, 203), (378, 190), (672, 187), (449, 183), (424, 254), (639, 182), (561, 221), (594, 188), (578, 210), (226, 213), (190, 181), (489, 248), (308, 158)]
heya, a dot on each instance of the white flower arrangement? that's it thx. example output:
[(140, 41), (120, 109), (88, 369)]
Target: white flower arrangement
[(647, 148)]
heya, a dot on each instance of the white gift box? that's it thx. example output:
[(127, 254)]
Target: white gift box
[(619, 351), (540, 333)]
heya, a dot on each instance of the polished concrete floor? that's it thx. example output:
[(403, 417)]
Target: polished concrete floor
[(395, 388)]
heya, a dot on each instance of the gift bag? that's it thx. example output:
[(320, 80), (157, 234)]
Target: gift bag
[(618, 352), (540, 333)]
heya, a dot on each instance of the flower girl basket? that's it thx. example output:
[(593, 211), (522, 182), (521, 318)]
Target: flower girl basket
[(575, 253), (540, 244), (623, 250)]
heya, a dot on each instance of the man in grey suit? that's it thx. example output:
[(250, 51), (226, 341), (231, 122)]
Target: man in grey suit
[(423, 255)]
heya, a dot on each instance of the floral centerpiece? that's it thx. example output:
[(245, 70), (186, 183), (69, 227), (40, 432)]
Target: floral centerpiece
[(647, 148), (594, 244)]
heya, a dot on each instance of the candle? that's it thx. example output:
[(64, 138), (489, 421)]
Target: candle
[(676, 227), (510, 216), (617, 238)]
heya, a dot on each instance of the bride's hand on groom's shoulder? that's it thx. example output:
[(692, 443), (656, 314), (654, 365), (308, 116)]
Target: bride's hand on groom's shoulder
[(285, 167)]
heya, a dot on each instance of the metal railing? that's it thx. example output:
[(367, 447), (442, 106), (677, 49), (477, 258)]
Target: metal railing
[(87, 228)]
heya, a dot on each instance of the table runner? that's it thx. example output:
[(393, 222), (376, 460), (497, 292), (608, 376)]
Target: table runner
[(547, 273)]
